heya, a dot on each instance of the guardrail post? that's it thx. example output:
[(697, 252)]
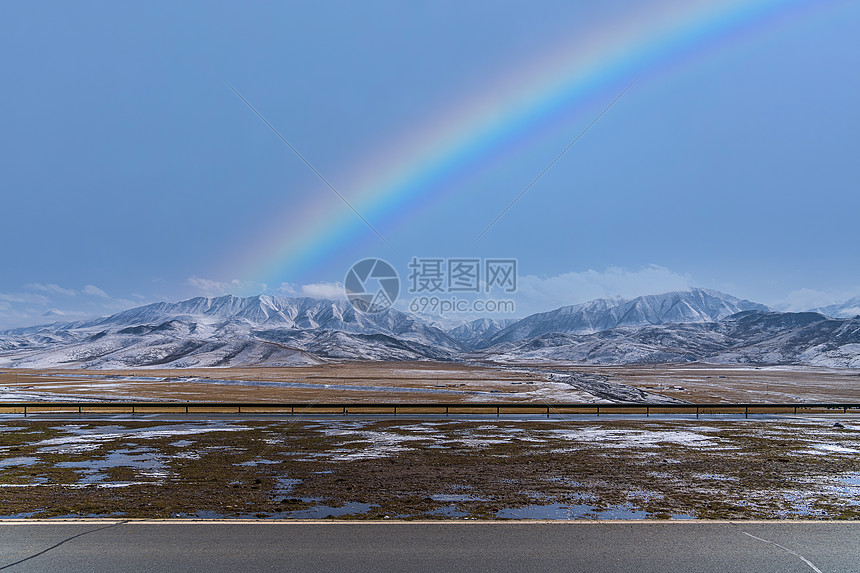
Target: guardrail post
[(623, 408)]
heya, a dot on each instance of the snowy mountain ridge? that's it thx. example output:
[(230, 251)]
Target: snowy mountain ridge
[(690, 325), (696, 305), (848, 309)]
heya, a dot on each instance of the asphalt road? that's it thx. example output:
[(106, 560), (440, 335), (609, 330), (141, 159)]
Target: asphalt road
[(596, 547)]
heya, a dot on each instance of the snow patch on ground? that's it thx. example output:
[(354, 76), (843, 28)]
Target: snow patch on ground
[(94, 437), (831, 449), (637, 438)]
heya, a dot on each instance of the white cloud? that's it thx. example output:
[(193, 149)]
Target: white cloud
[(325, 290), (95, 291), (25, 298), (544, 293), (807, 299), (210, 287), (51, 288), (51, 303)]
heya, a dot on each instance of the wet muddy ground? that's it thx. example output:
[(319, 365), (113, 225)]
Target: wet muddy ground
[(377, 469)]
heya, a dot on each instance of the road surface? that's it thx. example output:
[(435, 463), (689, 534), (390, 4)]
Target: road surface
[(596, 547)]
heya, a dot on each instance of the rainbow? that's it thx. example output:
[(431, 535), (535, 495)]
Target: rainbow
[(402, 177)]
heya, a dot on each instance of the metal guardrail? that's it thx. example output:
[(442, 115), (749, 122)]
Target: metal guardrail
[(490, 407)]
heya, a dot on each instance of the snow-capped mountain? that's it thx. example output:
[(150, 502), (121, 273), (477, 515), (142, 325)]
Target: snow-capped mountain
[(848, 309), (263, 330), (226, 331), (479, 333), (696, 306), (751, 337)]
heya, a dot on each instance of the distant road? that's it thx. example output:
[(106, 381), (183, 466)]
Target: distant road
[(596, 547)]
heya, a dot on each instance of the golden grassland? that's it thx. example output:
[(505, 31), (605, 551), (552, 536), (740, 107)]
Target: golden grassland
[(441, 382)]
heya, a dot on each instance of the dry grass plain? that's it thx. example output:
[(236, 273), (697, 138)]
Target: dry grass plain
[(425, 382), (359, 382), (703, 383)]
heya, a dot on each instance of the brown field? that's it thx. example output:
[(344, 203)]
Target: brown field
[(443, 469), (703, 383), (443, 382), (367, 382)]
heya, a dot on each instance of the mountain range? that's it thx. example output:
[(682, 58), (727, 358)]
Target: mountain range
[(698, 324), (848, 309)]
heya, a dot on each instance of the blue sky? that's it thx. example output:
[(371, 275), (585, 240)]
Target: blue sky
[(131, 173)]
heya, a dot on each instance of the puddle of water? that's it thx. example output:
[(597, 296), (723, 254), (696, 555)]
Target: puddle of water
[(79, 515), (21, 515), (255, 463), (560, 511), (847, 490), (90, 471), (323, 511), (186, 456), (206, 514), (19, 461), (92, 437), (800, 505), (550, 511), (455, 497), (448, 511), (284, 486)]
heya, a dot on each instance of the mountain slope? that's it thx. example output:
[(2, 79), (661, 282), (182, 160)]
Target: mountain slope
[(693, 306), (226, 331), (848, 309), (751, 337), (479, 333), (696, 325)]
